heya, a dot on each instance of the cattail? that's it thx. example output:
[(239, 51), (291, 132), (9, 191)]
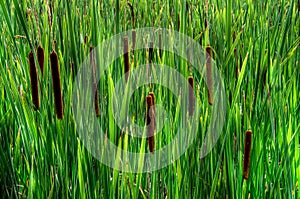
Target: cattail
[(132, 12), (247, 154), (160, 45), (153, 100), (298, 5), (209, 77), (153, 107), (133, 35), (150, 123), (126, 58), (233, 36), (191, 105), (34, 82), (40, 55), (86, 38), (95, 87), (151, 52), (56, 85)]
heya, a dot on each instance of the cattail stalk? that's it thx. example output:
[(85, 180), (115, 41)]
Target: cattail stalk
[(34, 82), (247, 151), (95, 87), (126, 57), (191, 105), (209, 77), (56, 85), (41, 58), (150, 122)]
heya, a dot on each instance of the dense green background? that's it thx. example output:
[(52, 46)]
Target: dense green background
[(41, 156)]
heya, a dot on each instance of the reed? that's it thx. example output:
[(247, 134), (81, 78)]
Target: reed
[(247, 151), (95, 87), (126, 58), (191, 101), (34, 82), (209, 77), (150, 122), (41, 58), (56, 85)]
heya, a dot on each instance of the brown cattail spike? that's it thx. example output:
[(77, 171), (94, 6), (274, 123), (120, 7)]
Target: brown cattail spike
[(34, 82), (209, 77), (151, 52), (160, 45), (95, 87), (41, 58), (247, 154), (150, 122), (56, 85), (133, 35), (191, 105), (153, 106), (126, 57)]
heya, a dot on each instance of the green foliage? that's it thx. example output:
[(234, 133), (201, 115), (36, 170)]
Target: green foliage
[(41, 156)]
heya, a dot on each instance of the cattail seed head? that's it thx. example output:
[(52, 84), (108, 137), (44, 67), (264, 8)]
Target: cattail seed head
[(237, 70), (247, 151), (209, 77), (133, 35), (126, 57), (191, 105), (56, 85), (160, 45), (154, 109), (151, 52), (95, 87), (34, 82), (41, 58), (150, 122)]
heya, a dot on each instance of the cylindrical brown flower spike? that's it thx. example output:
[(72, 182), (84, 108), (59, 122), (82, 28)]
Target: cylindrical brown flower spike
[(160, 45), (126, 57), (209, 77), (133, 35), (150, 123), (247, 151), (151, 52), (40, 55), (34, 82), (56, 85), (95, 87), (191, 105), (153, 107)]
